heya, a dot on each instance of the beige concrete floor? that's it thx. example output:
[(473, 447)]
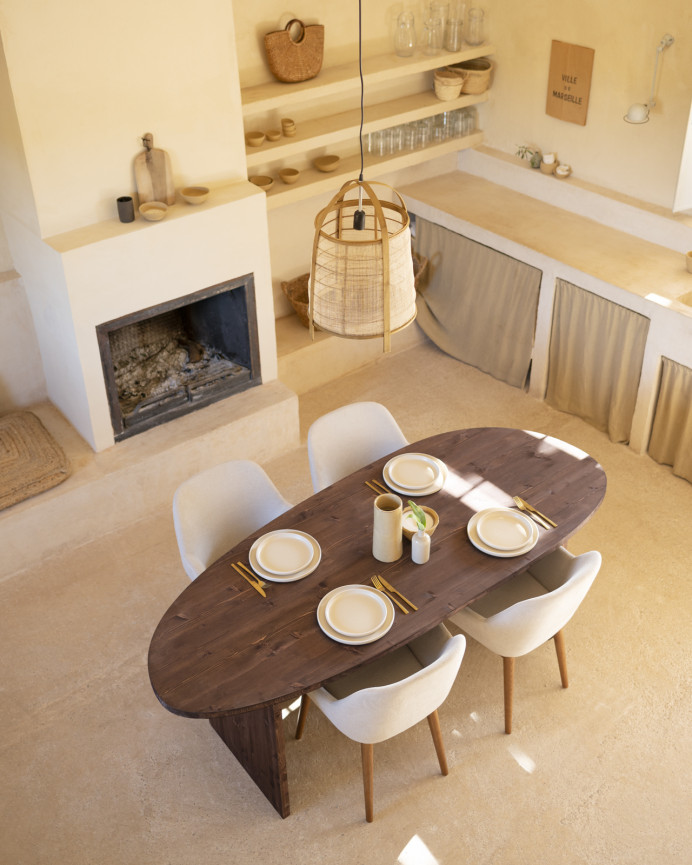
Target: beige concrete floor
[(94, 770)]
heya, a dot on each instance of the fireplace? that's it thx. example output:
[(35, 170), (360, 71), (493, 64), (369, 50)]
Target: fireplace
[(167, 360)]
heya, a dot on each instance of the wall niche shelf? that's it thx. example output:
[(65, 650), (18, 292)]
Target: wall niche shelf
[(342, 126)]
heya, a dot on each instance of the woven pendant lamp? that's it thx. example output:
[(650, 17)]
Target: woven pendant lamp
[(361, 279), (361, 274)]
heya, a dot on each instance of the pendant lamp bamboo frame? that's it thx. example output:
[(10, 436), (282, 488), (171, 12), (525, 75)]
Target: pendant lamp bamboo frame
[(362, 281)]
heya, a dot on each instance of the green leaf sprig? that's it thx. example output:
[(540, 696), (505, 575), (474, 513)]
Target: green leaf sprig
[(418, 515)]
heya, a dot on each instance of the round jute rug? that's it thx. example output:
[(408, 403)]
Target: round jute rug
[(31, 461)]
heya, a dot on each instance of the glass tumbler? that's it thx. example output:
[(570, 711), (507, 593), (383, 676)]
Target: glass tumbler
[(405, 35), (432, 36), (475, 26)]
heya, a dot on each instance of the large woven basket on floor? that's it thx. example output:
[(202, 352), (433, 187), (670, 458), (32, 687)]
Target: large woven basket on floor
[(297, 290)]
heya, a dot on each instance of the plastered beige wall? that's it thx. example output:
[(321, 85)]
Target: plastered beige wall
[(89, 78), (641, 161)]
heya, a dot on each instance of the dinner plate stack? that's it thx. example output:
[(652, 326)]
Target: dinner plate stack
[(355, 615), (285, 555), (502, 532), (415, 474)]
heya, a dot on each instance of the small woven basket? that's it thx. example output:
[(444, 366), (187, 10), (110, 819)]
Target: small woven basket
[(475, 74), (447, 85)]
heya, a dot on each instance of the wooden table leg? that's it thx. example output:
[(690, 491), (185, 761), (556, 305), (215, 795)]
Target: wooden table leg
[(257, 740)]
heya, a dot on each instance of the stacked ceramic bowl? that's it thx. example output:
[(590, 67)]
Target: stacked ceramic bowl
[(288, 127)]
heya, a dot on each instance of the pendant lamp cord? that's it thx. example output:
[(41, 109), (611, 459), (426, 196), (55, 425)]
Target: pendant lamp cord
[(362, 86), (359, 215)]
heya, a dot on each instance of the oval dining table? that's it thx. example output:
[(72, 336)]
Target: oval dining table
[(223, 652)]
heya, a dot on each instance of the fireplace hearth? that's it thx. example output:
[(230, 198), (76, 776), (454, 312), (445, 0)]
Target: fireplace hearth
[(165, 361)]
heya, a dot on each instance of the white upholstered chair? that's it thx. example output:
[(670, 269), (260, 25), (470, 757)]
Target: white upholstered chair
[(215, 509), (348, 438), (386, 697), (529, 610)]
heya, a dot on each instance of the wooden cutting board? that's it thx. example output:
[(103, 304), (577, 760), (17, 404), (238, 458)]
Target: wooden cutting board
[(153, 173)]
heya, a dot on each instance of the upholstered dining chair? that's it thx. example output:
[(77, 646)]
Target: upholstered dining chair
[(348, 438), (217, 508), (386, 697), (530, 609)]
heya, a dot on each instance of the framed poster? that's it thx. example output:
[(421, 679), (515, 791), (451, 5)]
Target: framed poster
[(569, 82)]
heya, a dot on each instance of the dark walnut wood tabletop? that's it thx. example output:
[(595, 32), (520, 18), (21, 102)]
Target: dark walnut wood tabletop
[(223, 652)]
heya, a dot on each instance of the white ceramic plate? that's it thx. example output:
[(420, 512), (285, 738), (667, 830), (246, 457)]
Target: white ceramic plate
[(423, 460), (504, 528), (493, 551), (354, 641), (284, 552), (287, 577), (413, 471), (356, 612)]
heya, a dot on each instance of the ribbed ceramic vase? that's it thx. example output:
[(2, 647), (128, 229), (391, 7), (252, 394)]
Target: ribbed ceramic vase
[(386, 530)]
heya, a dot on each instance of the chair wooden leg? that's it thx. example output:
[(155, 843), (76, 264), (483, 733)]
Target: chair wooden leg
[(367, 755), (508, 666), (434, 722), (302, 715), (559, 640)]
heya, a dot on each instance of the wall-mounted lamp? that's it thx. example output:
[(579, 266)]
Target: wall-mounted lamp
[(639, 112)]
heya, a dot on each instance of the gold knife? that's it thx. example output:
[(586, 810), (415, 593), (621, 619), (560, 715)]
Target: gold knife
[(373, 488), (397, 592), (381, 486), (254, 585), (380, 586), (536, 511)]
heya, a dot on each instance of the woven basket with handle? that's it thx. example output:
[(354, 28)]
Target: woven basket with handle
[(295, 59)]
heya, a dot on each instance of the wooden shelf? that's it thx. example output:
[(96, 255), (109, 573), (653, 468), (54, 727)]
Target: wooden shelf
[(313, 182), (325, 131), (342, 127), (338, 79)]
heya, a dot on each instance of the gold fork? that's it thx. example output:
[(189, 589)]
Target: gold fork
[(378, 585)]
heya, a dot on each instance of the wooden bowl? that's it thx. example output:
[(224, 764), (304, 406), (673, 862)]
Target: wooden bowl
[(254, 139), (289, 175), (273, 134), (409, 532), (563, 170), (327, 163), (195, 194), (153, 210), (262, 180)]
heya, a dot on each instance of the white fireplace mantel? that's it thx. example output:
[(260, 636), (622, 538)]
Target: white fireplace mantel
[(83, 278)]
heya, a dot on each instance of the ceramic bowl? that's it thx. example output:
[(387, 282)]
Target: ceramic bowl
[(289, 175), (262, 180), (195, 194), (153, 210), (273, 134), (408, 526), (254, 139), (327, 163)]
